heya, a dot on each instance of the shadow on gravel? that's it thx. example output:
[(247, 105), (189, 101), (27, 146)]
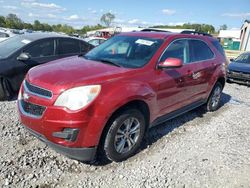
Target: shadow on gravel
[(157, 132)]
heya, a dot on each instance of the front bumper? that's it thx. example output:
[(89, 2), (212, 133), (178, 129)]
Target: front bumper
[(81, 154), (238, 77)]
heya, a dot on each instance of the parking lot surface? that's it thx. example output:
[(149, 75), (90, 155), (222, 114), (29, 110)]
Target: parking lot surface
[(197, 149)]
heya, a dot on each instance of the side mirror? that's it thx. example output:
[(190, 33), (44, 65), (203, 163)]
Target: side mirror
[(170, 63), (23, 57), (231, 59)]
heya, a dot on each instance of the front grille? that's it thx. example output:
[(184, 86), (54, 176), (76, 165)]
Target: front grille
[(37, 90), (32, 109), (239, 75)]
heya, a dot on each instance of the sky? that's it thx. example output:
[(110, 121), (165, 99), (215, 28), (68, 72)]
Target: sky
[(78, 13)]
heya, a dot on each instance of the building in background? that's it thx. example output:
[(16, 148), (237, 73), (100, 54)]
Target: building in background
[(245, 36), (230, 39)]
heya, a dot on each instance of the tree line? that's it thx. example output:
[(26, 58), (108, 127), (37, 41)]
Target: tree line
[(12, 21)]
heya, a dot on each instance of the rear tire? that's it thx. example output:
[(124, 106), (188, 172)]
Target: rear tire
[(124, 135), (213, 102)]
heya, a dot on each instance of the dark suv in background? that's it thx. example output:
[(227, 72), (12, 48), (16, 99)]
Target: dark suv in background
[(104, 102), (19, 53)]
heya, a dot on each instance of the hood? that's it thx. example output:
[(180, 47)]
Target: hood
[(71, 72), (240, 67)]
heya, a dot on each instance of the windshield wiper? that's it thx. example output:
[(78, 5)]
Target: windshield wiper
[(107, 62)]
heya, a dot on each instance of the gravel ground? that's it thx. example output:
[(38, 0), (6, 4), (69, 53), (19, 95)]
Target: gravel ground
[(197, 149)]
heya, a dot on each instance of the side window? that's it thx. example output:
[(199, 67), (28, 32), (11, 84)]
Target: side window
[(85, 47), (219, 47), (199, 51), (68, 46), (177, 49), (43, 48)]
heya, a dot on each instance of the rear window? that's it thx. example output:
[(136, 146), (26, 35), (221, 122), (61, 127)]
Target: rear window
[(200, 51), (219, 47)]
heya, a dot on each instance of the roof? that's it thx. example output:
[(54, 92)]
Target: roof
[(161, 35), (37, 36)]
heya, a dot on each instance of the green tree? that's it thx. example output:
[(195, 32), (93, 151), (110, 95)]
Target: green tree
[(13, 22), (107, 18), (2, 21), (223, 27)]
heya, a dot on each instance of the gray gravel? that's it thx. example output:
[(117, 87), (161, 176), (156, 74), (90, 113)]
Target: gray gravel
[(197, 149)]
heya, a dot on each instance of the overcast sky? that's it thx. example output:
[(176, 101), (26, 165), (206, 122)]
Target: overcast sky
[(78, 13)]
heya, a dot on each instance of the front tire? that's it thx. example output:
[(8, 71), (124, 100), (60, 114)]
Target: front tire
[(214, 98), (2, 93), (124, 135)]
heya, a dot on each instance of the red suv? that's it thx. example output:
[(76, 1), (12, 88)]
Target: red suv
[(101, 104)]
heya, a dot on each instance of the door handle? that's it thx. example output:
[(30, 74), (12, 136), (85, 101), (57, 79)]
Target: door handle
[(190, 73), (194, 75)]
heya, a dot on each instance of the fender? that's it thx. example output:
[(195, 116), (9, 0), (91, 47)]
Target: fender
[(125, 92), (220, 72)]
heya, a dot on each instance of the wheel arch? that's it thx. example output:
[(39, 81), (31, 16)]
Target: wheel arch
[(139, 104)]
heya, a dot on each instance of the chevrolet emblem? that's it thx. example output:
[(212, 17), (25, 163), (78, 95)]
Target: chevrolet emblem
[(26, 96)]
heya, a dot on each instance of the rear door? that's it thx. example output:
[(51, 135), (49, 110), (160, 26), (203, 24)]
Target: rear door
[(199, 69), (68, 47)]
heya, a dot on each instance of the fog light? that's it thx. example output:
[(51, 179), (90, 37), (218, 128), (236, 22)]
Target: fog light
[(68, 134)]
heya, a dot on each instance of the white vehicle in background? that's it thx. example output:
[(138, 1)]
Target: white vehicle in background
[(5, 34), (95, 41)]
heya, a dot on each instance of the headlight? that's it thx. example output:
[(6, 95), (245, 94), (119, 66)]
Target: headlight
[(79, 97)]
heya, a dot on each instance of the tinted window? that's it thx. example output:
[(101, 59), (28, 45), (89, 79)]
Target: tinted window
[(68, 46), (85, 47), (218, 47), (199, 51), (43, 48), (177, 49)]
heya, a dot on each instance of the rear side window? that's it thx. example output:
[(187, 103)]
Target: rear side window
[(218, 47), (42, 48), (68, 46), (85, 47), (177, 49), (199, 51)]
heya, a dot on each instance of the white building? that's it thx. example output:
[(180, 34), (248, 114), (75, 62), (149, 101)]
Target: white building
[(233, 34), (245, 36)]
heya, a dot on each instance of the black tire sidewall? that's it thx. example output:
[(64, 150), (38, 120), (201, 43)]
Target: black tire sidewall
[(210, 108), (2, 92), (109, 147)]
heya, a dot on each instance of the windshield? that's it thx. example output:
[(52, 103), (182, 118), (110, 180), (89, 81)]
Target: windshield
[(11, 45), (243, 58), (126, 51)]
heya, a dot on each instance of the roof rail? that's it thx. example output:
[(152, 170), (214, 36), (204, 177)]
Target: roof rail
[(155, 30), (196, 33)]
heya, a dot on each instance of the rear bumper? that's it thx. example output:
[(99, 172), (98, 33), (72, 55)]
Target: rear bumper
[(80, 154)]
